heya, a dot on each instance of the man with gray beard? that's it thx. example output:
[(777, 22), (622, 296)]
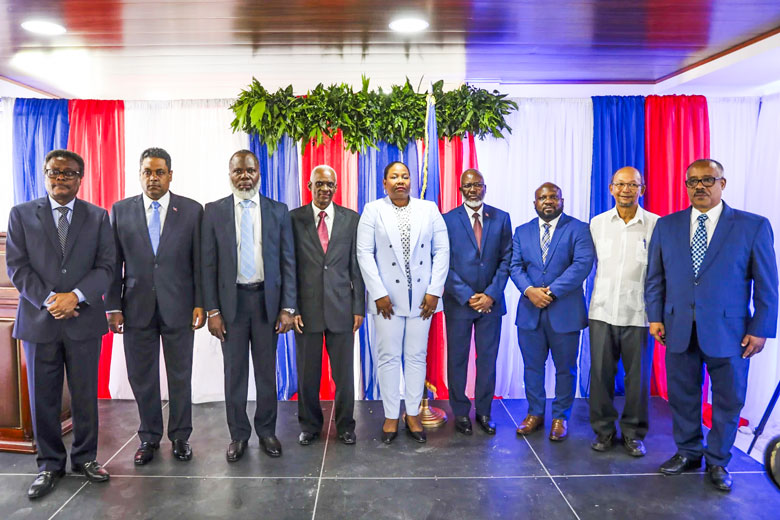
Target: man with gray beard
[(248, 262)]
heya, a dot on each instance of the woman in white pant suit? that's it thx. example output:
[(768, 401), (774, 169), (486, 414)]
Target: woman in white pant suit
[(404, 254)]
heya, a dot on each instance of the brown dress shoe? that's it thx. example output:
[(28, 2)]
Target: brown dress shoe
[(530, 424), (559, 430)]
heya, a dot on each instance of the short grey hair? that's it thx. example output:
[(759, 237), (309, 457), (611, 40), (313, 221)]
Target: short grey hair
[(323, 167)]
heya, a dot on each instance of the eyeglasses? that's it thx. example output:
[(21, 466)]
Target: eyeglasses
[(707, 182), (68, 174), (630, 185), (477, 185)]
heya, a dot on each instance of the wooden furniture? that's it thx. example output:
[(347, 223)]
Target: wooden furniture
[(16, 428)]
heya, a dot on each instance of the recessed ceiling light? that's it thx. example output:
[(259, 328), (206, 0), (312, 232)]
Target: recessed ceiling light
[(43, 27), (408, 25)]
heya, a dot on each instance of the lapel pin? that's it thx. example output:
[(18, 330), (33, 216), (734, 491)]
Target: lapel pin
[(175, 209)]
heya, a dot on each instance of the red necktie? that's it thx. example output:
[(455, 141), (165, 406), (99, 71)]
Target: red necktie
[(478, 231), (322, 231)]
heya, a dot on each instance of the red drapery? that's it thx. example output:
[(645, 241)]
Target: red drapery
[(677, 132), (97, 131)]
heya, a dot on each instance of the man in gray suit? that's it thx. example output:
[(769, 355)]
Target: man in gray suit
[(331, 302), (60, 256), (156, 293), (249, 293)]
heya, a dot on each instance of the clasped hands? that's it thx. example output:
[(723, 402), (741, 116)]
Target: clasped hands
[(428, 306), (63, 306), (541, 297), (481, 303)]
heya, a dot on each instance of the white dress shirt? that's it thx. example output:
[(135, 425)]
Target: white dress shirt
[(258, 239), (621, 269), (164, 201), (713, 215), (329, 211), (470, 212), (553, 224)]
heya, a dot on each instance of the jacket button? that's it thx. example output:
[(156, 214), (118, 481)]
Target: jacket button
[(398, 281), (393, 263), (156, 266), (544, 272), (696, 282), (64, 271), (418, 279), (482, 264), (420, 262), (326, 267), (391, 246), (422, 245)]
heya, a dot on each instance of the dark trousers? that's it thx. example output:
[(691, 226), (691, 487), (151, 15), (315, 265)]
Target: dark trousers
[(308, 356), (487, 332), (684, 376), (608, 344), (142, 352), (534, 346), (251, 330), (46, 365)]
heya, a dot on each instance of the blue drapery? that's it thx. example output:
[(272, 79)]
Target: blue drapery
[(618, 140), (279, 181), (371, 164), (40, 126)]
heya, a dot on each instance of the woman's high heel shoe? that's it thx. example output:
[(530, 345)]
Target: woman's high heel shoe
[(417, 436), (388, 437)]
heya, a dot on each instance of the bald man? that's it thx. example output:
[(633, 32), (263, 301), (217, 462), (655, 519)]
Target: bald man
[(551, 257), (617, 319)]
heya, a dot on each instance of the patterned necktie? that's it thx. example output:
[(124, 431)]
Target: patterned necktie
[(154, 226), (545, 241), (322, 231), (247, 254), (62, 227), (478, 231), (699, 244)]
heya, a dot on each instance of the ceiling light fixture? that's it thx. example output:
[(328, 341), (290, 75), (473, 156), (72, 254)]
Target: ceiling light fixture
[(43, 27), (408, 25)]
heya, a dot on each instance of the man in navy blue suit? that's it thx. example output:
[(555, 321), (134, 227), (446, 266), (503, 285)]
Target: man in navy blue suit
[(480, 253), (551, 257), (704, 263), (60, 255)]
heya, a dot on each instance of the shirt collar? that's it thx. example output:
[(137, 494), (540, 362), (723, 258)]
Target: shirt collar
[(639, 217), (553, 223), (164, 200), (255, 199), (470, 212), (713, 214), (54, 204), (328, 211)]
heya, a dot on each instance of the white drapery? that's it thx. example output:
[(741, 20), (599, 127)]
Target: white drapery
[(551, 140)]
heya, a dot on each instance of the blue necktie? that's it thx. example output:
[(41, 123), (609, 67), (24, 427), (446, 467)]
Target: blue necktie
[(246, 262), (545, 241), (699, 245), (154, 226)]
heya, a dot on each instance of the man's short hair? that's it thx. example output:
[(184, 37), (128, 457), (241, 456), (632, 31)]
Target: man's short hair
[(387, 168), (156, 153), (705, 163), (66, 154), (323, 167), (245, 152)]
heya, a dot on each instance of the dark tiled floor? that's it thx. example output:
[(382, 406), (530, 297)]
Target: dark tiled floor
[(450, 477)]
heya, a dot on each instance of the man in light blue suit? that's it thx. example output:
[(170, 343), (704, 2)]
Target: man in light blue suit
[(480, 253), (704, 263), (551, 257)]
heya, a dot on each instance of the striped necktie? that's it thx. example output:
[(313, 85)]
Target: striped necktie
[(62, 227), (545, 241), (247, 265)]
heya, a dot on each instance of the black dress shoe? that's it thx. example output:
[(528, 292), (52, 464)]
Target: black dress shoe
[(463, 425), (348, 438), (182, 450), (92, 470), (271, 446), (235, 450), (603, 441), (486, 424), (306, 438), (679, 463), (388, 437), (417, 436), (634, 447), (44, 483), (145, 453), (720, 478)]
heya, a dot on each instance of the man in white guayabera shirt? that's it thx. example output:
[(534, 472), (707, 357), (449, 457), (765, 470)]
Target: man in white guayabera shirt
[(617, 318)]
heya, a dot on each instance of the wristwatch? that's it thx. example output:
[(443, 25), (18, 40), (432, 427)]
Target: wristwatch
[(289, 310)]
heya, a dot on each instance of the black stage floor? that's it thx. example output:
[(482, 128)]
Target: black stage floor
[(450, 477)]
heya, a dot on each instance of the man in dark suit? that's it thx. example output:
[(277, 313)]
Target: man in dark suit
[(248, 263), (480, 253), (704, 263), (551, 257), (60, 255), (156, 293), (331, 303)]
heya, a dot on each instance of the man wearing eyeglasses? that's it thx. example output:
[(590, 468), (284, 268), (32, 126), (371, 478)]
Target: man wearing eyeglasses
[(481, 250), (704, 263), (60, 255), (617, 321), (332, 301), (156, 294)]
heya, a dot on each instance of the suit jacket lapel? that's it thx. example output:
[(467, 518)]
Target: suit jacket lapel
[(559, 230), (534, 240), (171, 219), (311, 228), (387, 214), (139, 217), (47, 220), (265, 229), (463, 216), (229, 218), (487, 220), (681, 236), (415, 210), (725, 223), (338, 227), (76, 223)]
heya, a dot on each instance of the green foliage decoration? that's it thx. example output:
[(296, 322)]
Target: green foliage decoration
[(367, 116)]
